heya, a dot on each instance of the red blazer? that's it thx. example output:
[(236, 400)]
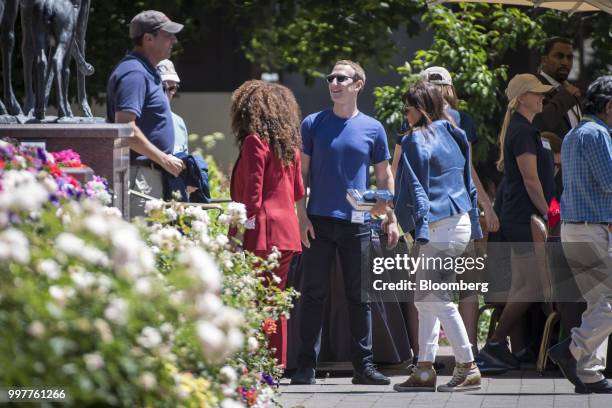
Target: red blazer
[(269, 191)]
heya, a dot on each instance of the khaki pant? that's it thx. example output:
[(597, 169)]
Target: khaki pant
[(146, 180), (588, 249)]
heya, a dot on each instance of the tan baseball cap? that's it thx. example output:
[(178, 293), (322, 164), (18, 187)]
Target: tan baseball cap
[(437, 75), (167, 72), (522, 83), (151, 20)]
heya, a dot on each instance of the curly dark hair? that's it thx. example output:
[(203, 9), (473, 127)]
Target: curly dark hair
[(271, 112)]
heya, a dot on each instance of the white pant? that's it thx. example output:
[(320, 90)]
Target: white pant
[(448, 237), (592, 269)]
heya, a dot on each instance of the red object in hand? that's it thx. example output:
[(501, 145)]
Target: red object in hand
[(554, 214)]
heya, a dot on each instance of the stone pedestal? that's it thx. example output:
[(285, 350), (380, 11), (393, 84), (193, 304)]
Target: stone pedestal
[(103, 147)]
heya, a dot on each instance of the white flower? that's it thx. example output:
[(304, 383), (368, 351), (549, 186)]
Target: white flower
[(203, 267), (36, 329), (61, 295), (166, 328), (199, 227), (117, 311), (208, 304), (252, 344), (93, 361), (230, 403), (111, 212), (104, 330), (14, 245), (49, 184), (69, 244), (227, 318), (235, 340), (228, 374), (143, 286), (182, 391), (83, 279), (222, 240), (94, 256), (171, 214), (237, 213), (153, 205), (265, 398), (49, 268), (147, 380), (97, 225), (212, 339), (198, 213), (149, 338), (21, 191)]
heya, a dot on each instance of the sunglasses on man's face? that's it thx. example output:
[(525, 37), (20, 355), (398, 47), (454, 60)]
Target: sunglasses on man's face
[(339, 78), (172, 89)]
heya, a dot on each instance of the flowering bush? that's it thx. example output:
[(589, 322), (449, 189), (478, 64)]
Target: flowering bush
[(91, 306)]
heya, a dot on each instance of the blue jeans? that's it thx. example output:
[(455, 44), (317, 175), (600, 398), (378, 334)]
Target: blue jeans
[(352, 243)]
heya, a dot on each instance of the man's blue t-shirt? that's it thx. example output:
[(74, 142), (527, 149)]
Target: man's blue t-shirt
[(135, 86), (341, 151)]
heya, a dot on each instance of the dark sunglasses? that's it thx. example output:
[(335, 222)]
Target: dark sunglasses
[(173, 88), (339, 78)]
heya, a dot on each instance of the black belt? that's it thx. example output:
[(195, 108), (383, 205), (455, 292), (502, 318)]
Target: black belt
[(587, 222)]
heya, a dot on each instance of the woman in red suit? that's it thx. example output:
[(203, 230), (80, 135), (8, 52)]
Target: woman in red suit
[(267, 177)]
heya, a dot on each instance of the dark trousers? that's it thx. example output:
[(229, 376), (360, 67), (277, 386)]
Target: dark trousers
[(352, 243)]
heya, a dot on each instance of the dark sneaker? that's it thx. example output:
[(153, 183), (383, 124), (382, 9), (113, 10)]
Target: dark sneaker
[(489, 366), (422, 379), (599, 387), (304, 376), (370, 376), (560, 354), (466, 377), (500, 353), (526, 356)]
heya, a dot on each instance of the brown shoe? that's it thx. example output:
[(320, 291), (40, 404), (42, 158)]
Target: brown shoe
[(422, 379), (466, 377)]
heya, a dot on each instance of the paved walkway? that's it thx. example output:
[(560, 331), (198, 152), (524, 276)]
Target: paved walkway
[(515, 389)]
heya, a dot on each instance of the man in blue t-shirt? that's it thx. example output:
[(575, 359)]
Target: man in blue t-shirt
[(339, 145), (135, 95)]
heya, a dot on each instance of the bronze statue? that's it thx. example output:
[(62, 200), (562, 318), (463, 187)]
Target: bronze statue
[(8, 14), (66, 21)]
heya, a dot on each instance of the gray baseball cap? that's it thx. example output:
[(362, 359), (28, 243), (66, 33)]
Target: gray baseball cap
[(151, 20)]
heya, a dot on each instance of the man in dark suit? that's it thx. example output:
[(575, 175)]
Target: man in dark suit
[(561, 113)]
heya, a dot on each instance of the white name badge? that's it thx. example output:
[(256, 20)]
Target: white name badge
[(357, 217), (546, 143)]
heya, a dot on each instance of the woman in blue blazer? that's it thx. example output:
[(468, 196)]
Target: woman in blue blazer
[(436, 198)]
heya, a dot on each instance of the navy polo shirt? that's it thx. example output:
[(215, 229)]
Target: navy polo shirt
[(135, 86)]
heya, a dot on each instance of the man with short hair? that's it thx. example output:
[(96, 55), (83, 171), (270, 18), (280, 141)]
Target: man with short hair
[(135, 95), (561, 111), (586, 235), (339, 145)]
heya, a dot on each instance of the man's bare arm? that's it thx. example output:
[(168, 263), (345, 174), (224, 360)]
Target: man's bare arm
[(306, 228), (140, 144)]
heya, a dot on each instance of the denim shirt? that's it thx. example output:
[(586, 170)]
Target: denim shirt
[(433, 181)]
